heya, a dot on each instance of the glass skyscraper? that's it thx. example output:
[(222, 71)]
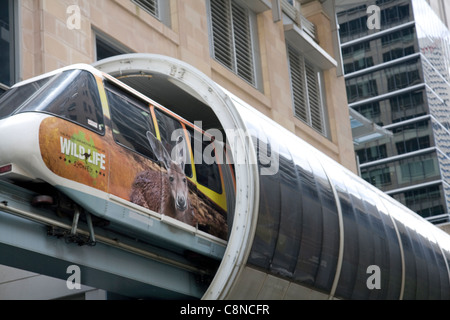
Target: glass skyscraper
[(398, 75)]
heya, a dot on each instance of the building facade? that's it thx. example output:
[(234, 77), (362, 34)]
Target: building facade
[(397, 75), (282, 57)]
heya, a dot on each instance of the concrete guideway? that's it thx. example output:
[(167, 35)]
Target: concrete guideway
[(116, 263)]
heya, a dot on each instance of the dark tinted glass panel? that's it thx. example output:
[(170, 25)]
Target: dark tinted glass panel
[(426, 275), (404, 172), (330, 236), (416, 270), (15, 97), (395, 14), (350, 261), (377, 229), (385, 80), (372, 153), (106, 48), (387, 248), (268, 224), (290, 229), (72, 95), (403, 76), (266, 234), (312, 231), (445, 264), (438, 277), (7, 39), (353, 19), (426, 201), (395, 109), (369, 240), (357, 225), (406, 138), (369, 110), (208, 174), (205, 161), (131, 119)]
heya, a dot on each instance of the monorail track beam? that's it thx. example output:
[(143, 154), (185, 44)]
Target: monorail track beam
[(113, 264)]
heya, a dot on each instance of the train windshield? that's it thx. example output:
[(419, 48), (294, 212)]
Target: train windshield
[(72, 95), (12, 99)]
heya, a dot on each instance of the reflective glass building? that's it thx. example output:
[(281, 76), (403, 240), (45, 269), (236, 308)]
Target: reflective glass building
[(397, 75)]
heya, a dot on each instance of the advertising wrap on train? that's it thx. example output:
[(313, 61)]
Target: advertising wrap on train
[(81, 155), (73, 152)]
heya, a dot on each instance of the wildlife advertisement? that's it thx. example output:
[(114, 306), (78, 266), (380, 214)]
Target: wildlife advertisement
[(97, 161), (74, 153)]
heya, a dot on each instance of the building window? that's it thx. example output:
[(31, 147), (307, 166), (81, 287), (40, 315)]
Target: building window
[(378, 177), (372, 153), (306, 91), (7, 43), (107, 47), (426, 202), (151, 6), (160, 9), (233, 38)]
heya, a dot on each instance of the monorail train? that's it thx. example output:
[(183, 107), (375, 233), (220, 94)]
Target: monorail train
[(296, 224), (88, 134)]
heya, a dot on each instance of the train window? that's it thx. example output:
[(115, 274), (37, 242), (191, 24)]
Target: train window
[(208, 174), (13, 98), (169, 130), (131, 119), (72, 95)]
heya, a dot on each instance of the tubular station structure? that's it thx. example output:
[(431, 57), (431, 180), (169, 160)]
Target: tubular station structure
[(288, 222)]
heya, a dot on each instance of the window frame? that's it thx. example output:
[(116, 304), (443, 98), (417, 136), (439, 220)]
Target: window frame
[(162, 10), (110, 42), (321, 109), (32, 104), (254, 50), (112, 89), (14, 43)]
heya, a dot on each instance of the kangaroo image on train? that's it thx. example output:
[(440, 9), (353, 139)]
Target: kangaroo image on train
[(95, 140), (169, 194)]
